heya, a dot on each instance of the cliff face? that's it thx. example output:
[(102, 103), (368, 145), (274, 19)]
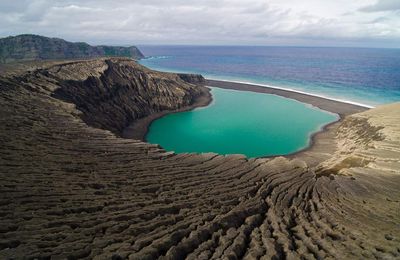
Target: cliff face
[(34, 47), (112, 93), (73, 191), (193, 78)]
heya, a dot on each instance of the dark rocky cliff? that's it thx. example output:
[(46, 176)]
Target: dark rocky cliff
[(116, 91), (34, 47), (70, 191), (125, 91), (193, 78)]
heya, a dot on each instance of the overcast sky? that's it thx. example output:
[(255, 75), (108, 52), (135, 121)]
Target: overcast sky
[(368, 23)]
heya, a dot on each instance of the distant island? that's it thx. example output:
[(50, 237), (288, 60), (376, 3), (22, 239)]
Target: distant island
[(30, 47)]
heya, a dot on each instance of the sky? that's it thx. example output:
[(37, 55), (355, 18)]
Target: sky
[(355, 23)]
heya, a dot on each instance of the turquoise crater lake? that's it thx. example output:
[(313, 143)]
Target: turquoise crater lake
[(241, 122)]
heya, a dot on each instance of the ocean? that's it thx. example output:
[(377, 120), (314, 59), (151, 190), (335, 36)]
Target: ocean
[(363, 76)]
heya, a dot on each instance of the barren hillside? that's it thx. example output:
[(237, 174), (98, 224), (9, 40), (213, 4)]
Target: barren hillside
[(70, 188)]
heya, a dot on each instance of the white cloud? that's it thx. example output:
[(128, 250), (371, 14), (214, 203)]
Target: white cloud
[(382, 5), (204, 21)]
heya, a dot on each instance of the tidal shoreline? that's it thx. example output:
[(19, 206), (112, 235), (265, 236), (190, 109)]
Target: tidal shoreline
[(341, 108)]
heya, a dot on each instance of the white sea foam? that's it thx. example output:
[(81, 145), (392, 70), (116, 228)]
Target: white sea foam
[(155, 57), (297, 91)]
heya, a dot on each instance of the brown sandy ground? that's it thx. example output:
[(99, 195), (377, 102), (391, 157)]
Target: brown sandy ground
[(69, 190)]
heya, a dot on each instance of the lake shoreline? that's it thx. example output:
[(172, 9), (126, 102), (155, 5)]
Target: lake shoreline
[(320, 141), (139, 129)]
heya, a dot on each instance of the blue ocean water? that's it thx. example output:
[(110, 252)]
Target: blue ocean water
[(360, 75)]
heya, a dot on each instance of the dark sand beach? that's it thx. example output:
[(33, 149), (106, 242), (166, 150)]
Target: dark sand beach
[(341, 108)]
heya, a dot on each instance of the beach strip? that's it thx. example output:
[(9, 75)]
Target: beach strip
[(342, 108)]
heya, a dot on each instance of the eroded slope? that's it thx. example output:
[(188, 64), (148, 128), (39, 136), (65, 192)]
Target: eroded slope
[(73, 191)]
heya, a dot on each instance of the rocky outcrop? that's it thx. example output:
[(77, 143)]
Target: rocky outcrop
[(116, 92), (28, 47), (73, 191), (193, 78)]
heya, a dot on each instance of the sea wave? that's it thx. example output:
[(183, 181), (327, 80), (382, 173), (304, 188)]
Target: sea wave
[(156, 57)]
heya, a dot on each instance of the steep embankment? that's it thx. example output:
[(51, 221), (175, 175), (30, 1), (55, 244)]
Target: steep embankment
[(28, 47), (112, 93), (69, 190)]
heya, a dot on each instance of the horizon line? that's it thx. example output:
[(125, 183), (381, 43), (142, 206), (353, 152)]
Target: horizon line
[(211, 44), (260, 45)]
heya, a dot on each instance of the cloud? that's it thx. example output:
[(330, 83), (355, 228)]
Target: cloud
[(382, 5), (198, 22)]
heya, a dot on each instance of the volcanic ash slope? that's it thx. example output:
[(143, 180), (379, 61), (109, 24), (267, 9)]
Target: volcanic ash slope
[(69, 190)]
